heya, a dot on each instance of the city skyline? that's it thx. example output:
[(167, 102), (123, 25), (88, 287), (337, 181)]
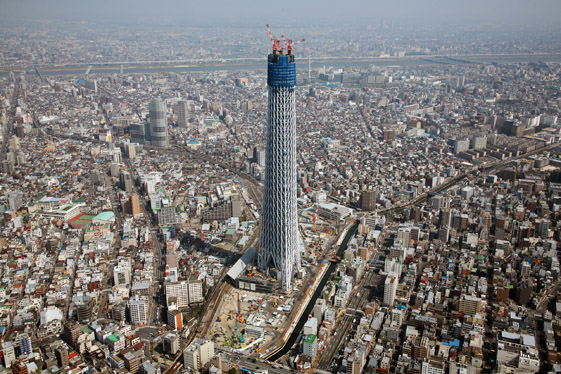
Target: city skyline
[(176, 197), (543, 12)]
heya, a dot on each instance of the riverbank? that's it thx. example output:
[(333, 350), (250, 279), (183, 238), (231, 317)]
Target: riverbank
[(258, 64)]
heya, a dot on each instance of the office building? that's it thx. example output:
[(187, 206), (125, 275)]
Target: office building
[(177, 293), (15, 200), (72, 330), (121, 275), (279, 225), (9, 353), (131, 151), (132, 361), (167, 216), (435, 365), (119, 312), (125, 181), (84, 309), (140, 133), (197, 354), (138, 310), (311, 326), (461, 145), (195, 292), (319, 309), (171, 344), (479, 141), (224, 210), (19, 367), (259, 156), (175, 319), (158, 123)]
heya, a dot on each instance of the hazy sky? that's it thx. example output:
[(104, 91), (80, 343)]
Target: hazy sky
[(258, 12)]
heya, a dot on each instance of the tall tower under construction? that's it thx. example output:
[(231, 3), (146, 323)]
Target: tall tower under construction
[(279, 224)]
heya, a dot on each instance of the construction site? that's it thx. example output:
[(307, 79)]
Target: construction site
[(318, 234), (254, 315), (247, 321)]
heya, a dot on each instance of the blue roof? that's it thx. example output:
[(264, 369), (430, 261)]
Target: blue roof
[(104, 216), (453, 343)]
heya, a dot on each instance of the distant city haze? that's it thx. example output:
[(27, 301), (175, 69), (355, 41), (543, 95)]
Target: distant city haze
[(255, 12)]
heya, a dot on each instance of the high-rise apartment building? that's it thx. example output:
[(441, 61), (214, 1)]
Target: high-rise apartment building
[(158, 123), (61, 354), (390, 288), (135, 204), (279, 225), (367, 200), (469, 305), (184, 293), (182, 110), (126, 181), (25, 344), (310, 346), (71, 332)]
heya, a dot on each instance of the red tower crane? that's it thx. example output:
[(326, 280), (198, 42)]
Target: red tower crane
[(279, 46), (314, 220)]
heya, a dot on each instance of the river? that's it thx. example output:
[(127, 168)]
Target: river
[(302, 65), (319, 290)]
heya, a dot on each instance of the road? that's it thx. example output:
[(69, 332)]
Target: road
[(244, 362), (156, 307), (473, 170), (356, 305), (108, 272), (203, 324), (10, 126)]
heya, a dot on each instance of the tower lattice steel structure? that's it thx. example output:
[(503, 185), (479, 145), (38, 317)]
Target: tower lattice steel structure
[(279, 224)]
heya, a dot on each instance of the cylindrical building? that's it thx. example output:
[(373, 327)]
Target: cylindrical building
[(279, 224), (158, 123)]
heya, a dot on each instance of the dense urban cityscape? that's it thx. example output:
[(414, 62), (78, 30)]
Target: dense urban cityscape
[(380, 198)]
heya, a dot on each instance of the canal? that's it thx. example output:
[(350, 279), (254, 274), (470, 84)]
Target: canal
[(319, 290)]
